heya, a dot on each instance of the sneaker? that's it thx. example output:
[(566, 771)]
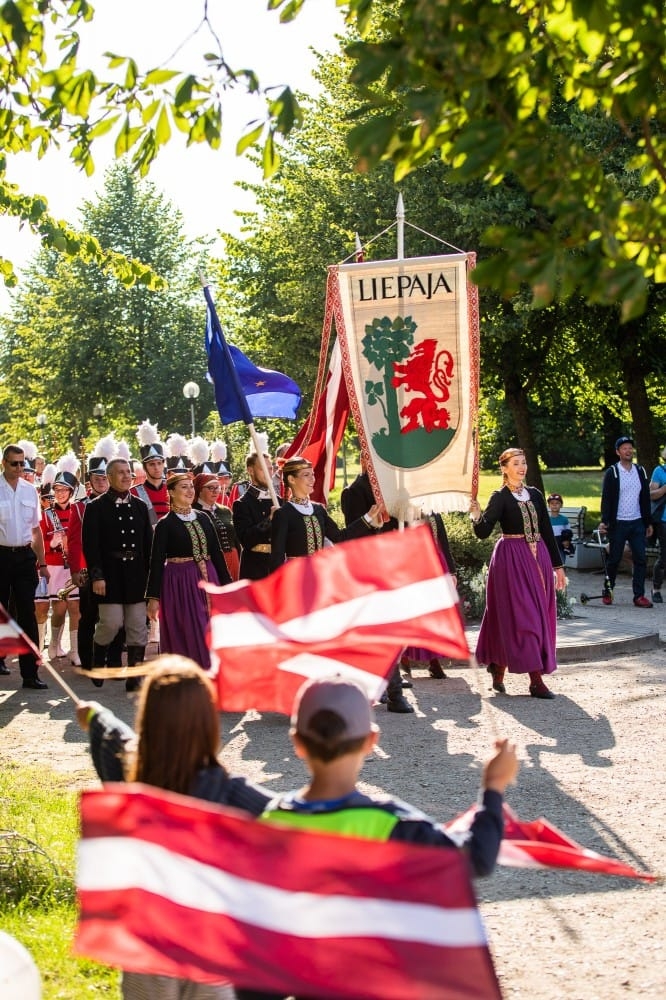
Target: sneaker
[(607, 599), (642, 602), (656, 597)]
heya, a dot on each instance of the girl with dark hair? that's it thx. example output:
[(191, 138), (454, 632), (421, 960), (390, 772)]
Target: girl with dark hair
[(175, 747), (518, 627)]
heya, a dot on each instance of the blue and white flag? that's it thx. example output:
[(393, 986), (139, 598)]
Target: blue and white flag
[(242, 390)]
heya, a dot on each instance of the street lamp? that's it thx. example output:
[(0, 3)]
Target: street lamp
[(41, 423), (191, 392), (98, 412)]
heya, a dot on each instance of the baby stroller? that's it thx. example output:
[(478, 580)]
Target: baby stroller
[(606, 594)]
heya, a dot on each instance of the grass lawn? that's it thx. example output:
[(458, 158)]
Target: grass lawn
[(37, 903)]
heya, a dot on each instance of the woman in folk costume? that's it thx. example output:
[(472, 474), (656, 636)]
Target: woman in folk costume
[(518, 626), (54, 523), (301, 527), (206, 491), (185, 551)]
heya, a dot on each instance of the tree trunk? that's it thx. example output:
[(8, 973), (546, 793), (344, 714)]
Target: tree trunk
[(644, 436), (517, 401)]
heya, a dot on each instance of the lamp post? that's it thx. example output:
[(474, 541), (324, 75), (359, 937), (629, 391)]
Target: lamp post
[(191, 392), (41, 423), (98, 413)]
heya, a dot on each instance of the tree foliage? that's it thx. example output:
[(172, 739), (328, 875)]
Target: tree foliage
[(77, 335), (481, 84)]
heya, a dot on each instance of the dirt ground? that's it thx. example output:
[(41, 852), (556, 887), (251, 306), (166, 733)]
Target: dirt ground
[(592, 763)]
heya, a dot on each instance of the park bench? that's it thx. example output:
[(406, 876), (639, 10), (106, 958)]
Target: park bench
[(588, 550)]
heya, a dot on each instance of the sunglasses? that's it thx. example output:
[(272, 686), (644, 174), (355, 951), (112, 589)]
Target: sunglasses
[(14, 464)]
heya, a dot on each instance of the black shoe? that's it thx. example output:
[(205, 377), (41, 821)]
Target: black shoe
[(4, 670), (435, 670), (34, 683), (400, 705), (133, 683), (97, 681), (406, 683), (656, 599), (541, 692), (497, 684)]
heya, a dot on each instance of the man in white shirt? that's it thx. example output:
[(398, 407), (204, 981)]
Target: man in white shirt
[(625, 516), (22, 559)]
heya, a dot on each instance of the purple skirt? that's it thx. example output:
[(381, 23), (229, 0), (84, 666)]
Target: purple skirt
[(519, 624), (184, 614)]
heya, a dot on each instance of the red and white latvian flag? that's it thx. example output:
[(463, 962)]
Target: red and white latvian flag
[(13, 640), (539, 844), (349, 609), (173, 886)]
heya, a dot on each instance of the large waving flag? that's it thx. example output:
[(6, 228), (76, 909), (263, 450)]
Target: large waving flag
[(242, 390), (539, 844), (349, 609), (173, 886), (13, 640)]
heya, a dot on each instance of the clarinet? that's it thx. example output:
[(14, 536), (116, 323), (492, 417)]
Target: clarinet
[(57, 526)]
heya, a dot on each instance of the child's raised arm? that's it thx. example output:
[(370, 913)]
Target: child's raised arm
[(502, 769)]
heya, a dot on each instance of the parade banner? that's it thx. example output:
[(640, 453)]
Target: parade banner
[(409, 337)]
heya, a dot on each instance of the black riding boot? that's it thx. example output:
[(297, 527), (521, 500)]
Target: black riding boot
[(395, 699), (99, 660), (135, 656)]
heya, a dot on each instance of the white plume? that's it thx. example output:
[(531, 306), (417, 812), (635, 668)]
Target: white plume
[(218, 451), (29, 449), (262, 438), (106, 447), (68, 463), (123, 450), (197, 450), (176, 445), (146, 433), (49, 474)]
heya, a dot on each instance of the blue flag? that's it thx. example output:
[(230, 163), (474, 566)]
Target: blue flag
[(243, 391)]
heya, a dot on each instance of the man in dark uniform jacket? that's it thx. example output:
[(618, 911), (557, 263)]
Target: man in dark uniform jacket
[(117, 538), (252, 521)]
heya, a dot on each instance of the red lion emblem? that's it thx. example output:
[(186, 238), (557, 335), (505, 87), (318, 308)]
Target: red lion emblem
[(430, 375)]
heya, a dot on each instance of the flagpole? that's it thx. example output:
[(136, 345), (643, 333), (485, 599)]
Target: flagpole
[(268, 475), (63, 684), (400, 255), (400, 219)]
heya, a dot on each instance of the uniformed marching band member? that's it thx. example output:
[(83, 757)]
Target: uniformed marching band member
[(198, 452), (218, 452), (177, 459), (153, 491), (117, 537), (29, 457), (54, 522), (98, 483), (252, 516)]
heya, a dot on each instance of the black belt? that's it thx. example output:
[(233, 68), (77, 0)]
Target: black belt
[(126, 556), (16, 548)]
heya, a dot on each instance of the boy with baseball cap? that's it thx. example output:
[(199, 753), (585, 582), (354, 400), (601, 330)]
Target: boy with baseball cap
[(333, 731)]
